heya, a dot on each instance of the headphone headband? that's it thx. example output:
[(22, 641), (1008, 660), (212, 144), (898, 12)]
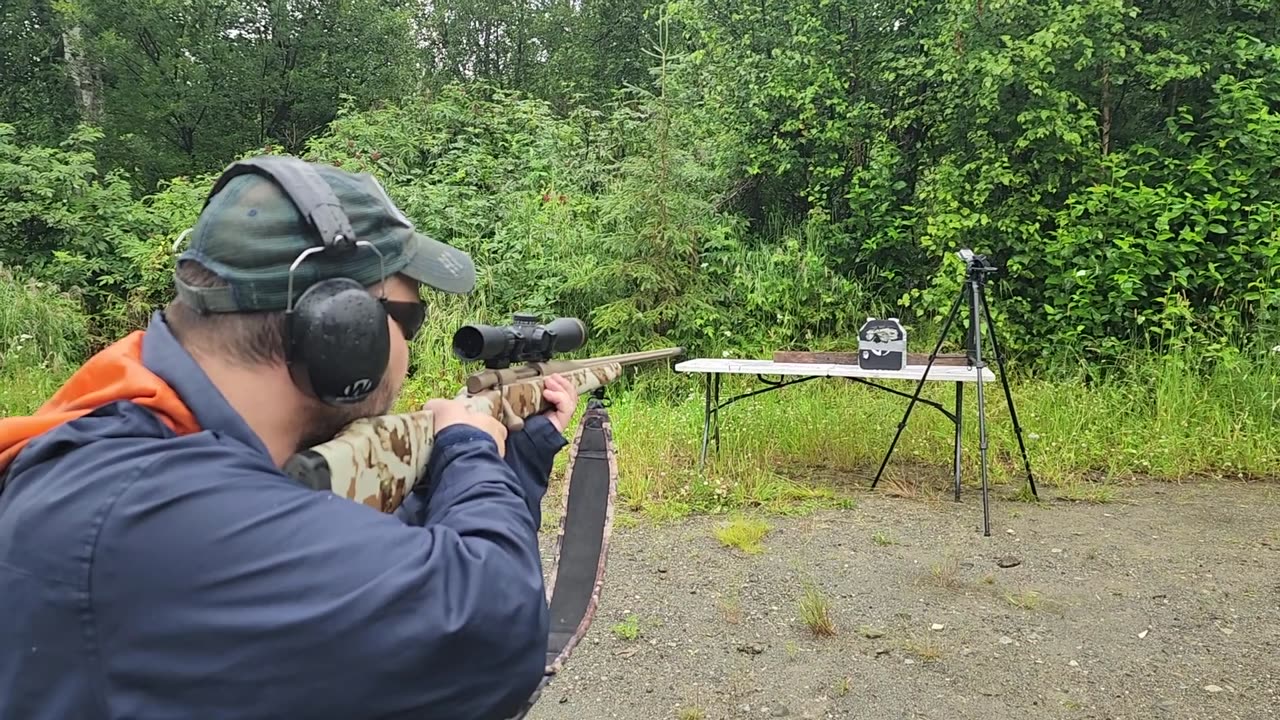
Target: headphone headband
[(307, 190), (382, 263)]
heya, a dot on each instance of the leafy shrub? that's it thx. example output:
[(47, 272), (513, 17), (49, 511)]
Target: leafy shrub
[(67, 224)]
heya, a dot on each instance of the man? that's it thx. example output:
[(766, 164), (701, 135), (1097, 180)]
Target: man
[(155, 562)]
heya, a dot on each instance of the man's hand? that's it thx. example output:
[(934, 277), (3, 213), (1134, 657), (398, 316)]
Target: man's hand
[(564, 396), (454, 412)]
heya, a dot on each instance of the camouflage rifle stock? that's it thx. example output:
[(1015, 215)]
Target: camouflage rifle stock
[(376, 460)]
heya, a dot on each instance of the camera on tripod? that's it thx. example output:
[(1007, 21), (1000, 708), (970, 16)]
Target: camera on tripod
[(975, 263), (973, 294)]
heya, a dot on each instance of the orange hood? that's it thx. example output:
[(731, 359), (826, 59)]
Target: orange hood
[(115, 373)]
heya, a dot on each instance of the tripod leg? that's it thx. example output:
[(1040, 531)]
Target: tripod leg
[(1008, 396), (942, 336), (982, 424)]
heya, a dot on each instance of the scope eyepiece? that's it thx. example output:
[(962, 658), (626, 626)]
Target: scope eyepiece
[(500, 346)]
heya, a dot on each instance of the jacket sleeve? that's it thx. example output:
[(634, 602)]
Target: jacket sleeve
[(531, 453), (233, 590)]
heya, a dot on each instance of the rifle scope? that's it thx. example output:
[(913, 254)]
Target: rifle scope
[(522, 341)]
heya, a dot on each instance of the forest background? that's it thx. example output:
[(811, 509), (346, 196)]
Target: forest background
[(731, 177)]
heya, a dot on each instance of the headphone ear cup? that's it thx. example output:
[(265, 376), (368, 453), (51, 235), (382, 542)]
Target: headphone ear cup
[(338, 342)]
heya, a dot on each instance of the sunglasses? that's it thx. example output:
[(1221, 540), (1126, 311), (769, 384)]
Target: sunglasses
[(408, 315)]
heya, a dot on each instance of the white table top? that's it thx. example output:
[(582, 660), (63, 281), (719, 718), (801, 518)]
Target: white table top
[(940, 373)]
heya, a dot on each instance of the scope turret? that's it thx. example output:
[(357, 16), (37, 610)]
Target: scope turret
[(522, 341)]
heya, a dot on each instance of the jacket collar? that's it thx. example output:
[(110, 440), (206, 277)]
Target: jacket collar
[(165, 356)]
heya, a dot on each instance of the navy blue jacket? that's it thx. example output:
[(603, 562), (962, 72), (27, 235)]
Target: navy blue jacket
[(148, 575)]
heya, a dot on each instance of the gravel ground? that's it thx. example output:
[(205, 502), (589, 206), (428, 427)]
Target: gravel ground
[(1164, 604)]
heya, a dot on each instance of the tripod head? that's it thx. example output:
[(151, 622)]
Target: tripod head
[(975, 266)]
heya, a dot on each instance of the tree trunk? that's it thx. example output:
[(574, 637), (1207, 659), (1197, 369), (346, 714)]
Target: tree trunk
[(1106, 109), (83, 75)]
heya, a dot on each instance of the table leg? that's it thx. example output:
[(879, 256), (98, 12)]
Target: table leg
[(706, 424), (959, 434), (715, 409)]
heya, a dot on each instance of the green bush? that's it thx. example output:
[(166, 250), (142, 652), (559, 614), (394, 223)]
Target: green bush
[(67, 224)]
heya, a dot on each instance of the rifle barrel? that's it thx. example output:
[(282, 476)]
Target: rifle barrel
[(631, 358)]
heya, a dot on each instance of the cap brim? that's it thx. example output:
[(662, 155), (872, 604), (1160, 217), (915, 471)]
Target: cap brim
[(439, 266)]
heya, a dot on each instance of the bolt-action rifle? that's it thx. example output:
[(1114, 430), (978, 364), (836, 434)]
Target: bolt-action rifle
[(376, 461)]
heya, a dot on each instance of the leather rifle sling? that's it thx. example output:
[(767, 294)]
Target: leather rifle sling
[(577, 572)]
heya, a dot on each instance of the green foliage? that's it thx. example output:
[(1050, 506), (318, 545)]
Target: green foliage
[(744, 533), (598, 216), (67, 224), (783, 171), (181, 87), (1117, 158), (33, 84), (628, 629), (1176, 247), (561, 52)]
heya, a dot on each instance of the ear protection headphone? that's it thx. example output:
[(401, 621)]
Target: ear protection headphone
[(337, 342)]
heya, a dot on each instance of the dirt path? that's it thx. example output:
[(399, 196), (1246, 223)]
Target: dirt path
[(1165, 604)]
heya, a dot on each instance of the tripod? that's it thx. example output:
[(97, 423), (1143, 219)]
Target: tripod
[(974, 290)]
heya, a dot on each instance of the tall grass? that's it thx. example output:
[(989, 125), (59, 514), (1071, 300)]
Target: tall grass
[(818, 443), (43, 334)]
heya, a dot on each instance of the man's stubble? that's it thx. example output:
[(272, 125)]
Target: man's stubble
[(324, 422)]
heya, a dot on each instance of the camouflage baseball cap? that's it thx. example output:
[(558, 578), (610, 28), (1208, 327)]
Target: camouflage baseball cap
[(251, 231)]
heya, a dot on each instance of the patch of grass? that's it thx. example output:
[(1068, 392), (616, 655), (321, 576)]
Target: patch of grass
[(946, 574), (1027, 599), (691, 713), (1023, 494), (625, 520), (815, 612), (1086, 492), (870, 632), (925, 647), (628, 629), (731, 608), (23, 389), (745, 534), (882, 538), (659, 479), (843, 685), (903, 487)]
